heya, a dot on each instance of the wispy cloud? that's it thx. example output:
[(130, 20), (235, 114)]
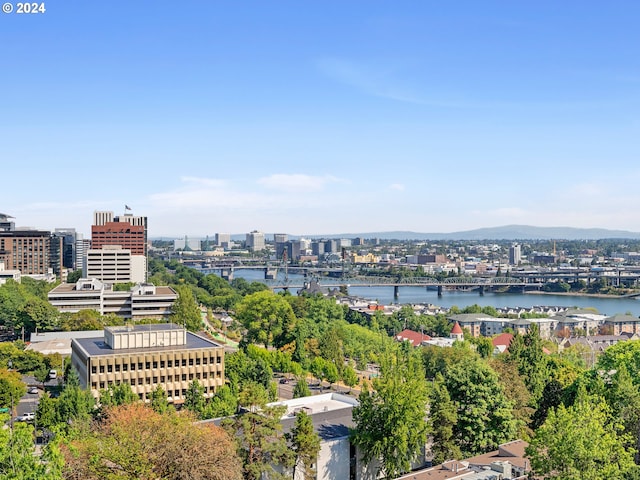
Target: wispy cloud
[(378, 81), (297, 182), (396, 186)]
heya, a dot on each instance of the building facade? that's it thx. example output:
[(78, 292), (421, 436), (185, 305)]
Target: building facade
[(26, 250), (115, 264), (148, 356), (141, 301), (255, 241)]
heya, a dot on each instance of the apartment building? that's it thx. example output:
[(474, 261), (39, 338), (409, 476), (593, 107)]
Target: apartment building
[(148, 356)]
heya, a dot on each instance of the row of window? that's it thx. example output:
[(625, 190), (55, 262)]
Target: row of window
[(168, 379), (163, 364)]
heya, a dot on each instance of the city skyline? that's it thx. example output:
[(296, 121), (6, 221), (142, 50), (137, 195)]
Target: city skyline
[(327, 118)]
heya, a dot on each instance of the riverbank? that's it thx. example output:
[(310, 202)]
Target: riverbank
[(578, 294)]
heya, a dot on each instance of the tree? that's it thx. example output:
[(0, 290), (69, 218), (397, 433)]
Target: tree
[(305, 444), (390, 421), (582, 442), (623, 397), (194, 399), (349, 376), (301, 389), (135, 442), (119, 394), (485, 419), (258, 433), (527, 352), (443, 418), (46, 412), (267, 317), (11, 388), (158, 400), (223, 404), (17, 455), (185, 310)]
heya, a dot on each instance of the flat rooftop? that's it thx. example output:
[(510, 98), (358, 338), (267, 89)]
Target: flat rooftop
[(331, 414), (96, 346)]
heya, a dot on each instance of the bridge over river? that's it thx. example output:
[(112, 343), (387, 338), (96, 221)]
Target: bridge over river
[(480, 284)]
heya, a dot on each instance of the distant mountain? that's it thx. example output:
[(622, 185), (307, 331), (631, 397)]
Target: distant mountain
[(507, 232)]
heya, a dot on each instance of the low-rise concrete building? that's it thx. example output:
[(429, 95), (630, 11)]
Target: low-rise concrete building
[(138, 302), (148, 356)]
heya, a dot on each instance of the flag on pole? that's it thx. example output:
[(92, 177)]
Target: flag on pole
[(127, 207)]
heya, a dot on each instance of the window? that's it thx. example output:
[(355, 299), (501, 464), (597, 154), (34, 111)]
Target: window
[(204, 360), (204, 375), (109, 368), (94, 386), (155, 364), (133, 367), (169, 363), (101, 385), (133, 382), (140, 381), (191, 362), (184, 377), (124, 367), (169, 378), (218, 359), (155, 379), (162, 378), (184, 362), (148, 380), (161, 363), (191, 376), (147, 365), (198, 361), (94, 369), (139, 365), (176, 393), (197, 376), (117, 367), (101, 368)]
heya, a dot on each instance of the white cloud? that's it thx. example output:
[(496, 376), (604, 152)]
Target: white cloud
[(297, 182), (397, 186)]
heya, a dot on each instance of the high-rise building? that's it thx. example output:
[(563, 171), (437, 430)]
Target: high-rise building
[(26, 250), (69, 236), (223, 240), (255, 241), (515, 255), (127, 231), (82, 247), (114, 264)]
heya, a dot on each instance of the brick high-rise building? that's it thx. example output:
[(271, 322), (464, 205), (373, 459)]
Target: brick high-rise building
[(127, 231), (26, 250)]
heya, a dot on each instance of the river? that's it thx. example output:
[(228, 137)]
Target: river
[(449, 298)]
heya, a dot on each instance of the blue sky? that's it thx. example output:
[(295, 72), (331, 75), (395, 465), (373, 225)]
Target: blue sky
[(322, 117)]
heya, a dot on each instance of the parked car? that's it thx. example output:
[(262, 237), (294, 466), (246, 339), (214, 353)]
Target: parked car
[(26, 417), (53, 374), (33, 390)]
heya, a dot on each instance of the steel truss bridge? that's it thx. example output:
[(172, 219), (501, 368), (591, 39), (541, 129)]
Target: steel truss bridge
[(375, 281)]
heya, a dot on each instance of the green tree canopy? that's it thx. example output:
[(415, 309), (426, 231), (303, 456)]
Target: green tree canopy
[(185, 310), (485, 417), (581, 442), (305, 444), (391, 424), (267, 317)]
